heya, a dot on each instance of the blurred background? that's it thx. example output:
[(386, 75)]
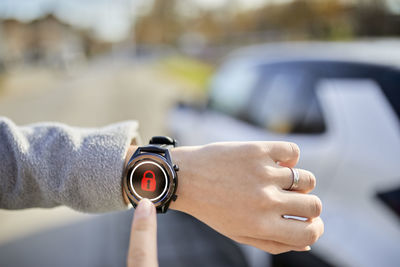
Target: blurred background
[(322, 73)]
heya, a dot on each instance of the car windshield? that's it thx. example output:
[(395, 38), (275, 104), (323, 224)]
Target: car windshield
[(232, 87)]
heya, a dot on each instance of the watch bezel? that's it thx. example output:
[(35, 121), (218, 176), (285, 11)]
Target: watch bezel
[(163, 162)]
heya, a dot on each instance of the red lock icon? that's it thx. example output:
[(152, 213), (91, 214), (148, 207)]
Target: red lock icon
[(149, 183)]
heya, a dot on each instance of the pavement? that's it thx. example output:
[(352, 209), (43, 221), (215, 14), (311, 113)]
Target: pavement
[(93, 95)]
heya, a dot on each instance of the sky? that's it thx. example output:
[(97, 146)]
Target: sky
[(111, 20)]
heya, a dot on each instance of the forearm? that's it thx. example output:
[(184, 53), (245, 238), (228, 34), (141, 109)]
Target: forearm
[(45, 165)]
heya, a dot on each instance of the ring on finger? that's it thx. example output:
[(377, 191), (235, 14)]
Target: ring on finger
[(295, 179)]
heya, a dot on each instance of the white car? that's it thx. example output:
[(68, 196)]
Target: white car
[(341, 104)]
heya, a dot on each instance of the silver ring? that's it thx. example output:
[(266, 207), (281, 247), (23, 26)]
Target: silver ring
[(295, 181)]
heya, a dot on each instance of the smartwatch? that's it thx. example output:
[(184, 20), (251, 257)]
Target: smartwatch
[(151, 174)]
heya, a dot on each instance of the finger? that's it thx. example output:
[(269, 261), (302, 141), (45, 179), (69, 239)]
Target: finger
[(143, 242), (298, 233), (286, 153), (303, 205), (270, 246), (284, 179)]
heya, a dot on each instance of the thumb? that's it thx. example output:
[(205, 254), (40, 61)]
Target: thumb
[(143, 242)]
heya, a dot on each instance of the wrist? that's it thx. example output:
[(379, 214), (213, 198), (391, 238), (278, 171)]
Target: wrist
[(181, 157)]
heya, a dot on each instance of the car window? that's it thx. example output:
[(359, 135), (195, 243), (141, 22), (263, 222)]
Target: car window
[(285, 102), (281, 97), (231, 89), (390, 83)]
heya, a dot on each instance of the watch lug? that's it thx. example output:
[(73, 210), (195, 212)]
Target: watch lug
[(162, 209), (176, 167), (137, 152), (168, 157)]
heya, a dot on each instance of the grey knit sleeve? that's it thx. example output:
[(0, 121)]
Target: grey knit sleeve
[(51, 164)]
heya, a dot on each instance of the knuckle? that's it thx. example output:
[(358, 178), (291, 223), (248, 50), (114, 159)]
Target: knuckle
[(312, 181), (275, 203), (274, 251), (271, 198), (277, 250), (141, 225), (268, 171), (295, 149), (259, 200), (316, 206), (251, 152), (139, 256), (254, 148), (312, 236)]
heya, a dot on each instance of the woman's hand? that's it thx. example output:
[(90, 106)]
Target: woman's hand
[(240, 190), (143, 243)]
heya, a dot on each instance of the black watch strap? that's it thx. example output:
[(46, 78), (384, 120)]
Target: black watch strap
[(163, 141), (159, 145)]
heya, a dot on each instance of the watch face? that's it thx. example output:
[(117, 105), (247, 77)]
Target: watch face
[(148, 179)]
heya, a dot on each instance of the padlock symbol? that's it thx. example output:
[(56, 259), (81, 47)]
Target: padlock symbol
[(149, 181)]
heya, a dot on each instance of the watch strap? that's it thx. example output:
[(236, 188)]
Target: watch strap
[(160, 145), (163, 141)]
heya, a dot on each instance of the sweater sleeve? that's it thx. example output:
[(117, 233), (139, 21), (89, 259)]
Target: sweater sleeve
[(50, 164)]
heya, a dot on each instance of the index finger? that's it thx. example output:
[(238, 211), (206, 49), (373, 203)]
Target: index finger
[(286, 153), (143, 242)]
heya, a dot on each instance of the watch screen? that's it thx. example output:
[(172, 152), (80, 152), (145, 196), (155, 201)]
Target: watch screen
[(149, 180)]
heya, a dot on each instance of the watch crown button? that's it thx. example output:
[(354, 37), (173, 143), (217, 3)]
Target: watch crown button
[(174, 197), (176, 167)]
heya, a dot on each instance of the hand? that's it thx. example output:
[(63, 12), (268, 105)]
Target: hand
[(239, 189), (143, 243)]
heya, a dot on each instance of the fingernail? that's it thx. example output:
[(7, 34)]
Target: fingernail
[(308, 248), (143, 209)]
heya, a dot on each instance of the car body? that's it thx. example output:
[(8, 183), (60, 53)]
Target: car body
[(340, 103)]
